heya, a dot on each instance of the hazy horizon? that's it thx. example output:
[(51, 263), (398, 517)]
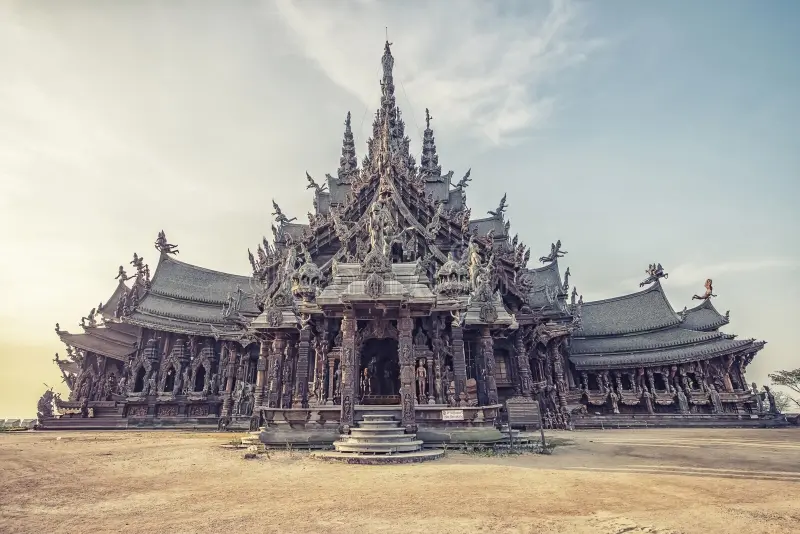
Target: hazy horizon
[(633, 132)]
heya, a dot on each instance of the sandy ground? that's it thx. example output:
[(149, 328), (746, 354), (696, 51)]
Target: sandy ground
[(617, 481)]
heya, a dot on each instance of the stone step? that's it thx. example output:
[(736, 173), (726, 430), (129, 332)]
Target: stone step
[(379, 459), (378, 424), (367, 431), (390, 438), (378, 417), (378, 448)]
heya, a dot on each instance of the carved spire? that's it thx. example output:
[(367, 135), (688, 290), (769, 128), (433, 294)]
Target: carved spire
[(429, 162), (348, 164)]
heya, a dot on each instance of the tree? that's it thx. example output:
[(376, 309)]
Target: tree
[(789, 380), (783, 401)]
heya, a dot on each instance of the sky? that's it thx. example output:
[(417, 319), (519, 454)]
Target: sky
[(635, 132)]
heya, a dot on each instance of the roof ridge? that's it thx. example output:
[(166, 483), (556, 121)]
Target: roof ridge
[(654, 287), (204, 269)]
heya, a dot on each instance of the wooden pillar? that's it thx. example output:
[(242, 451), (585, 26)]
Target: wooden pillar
[(227, 404), (301, 389), (523, 367), (459, 362), (331, 377), (558, 371), (407, 389), (274, 371), (487, 349), (431, 379), (349, 372)]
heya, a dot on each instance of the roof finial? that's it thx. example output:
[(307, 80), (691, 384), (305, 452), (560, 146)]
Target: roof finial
[(429, 162), (428, 118)]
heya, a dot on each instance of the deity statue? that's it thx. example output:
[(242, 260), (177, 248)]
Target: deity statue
[(501, 209), (313, 185), (614, 398), (654, 272), (365, 383), (555, 253), (773, 406), (162, 245), (280, 218), (186, 381), (422, 380), (759, 402), (716, 401), (708, 294), (473, 259)]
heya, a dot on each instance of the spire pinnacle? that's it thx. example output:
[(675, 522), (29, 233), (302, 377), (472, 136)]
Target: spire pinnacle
[(429, 162), (348, 164)]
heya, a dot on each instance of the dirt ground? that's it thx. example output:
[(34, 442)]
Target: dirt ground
[(614, 481)]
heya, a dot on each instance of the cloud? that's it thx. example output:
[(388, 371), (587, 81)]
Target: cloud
[(483, 67)]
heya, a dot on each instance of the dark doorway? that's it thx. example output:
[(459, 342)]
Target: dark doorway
[(659, 382), (381, 385), (200, 378), (138, 385)]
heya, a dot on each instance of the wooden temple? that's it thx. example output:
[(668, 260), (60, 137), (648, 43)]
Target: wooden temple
[(393, 300)]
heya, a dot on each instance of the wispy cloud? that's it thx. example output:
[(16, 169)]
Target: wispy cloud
[(483, 67)]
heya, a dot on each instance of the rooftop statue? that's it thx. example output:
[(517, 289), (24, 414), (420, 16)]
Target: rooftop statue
[(122, 276), (708, 294), (280, 218), (555, 253), (654, 272), (163, 246), (501, 209), (462, 183), (314, 185)]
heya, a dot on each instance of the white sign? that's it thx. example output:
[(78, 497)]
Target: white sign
[(452, 415)]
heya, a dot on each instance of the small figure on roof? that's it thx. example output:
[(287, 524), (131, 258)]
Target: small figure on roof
[(314, 185), (464, 182), (280, 218), (654, 272), (501, 209), (122, 276), (163, 246), (708, 294), (555, 253)]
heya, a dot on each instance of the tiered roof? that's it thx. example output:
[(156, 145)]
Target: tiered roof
[(643, 329), (114, 340)]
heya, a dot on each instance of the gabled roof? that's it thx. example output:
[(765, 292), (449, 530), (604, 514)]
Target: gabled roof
[(545, 278), (102, 340), (704, 317), (109, 307), (184, 282), (638, 312), (482, 226), (667, 356), (670, 337)]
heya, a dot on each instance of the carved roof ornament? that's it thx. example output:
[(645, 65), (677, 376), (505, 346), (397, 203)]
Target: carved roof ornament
[(89, 321), (501, 208), (464, 182), (314, 185), (654, 273), (307, 279), (708, 293), (452, 278), (122, 276), (163, 246), (565, 287), (555, 253), (429, 162), (280, 218)]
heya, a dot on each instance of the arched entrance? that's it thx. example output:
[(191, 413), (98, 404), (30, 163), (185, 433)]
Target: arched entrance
[(379, 372)]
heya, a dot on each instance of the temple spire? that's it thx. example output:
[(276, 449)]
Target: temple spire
[(429, 162), (348, 164)]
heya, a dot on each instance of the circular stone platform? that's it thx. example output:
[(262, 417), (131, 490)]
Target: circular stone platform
[(375, 459)]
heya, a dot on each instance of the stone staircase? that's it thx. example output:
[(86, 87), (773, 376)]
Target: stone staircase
[(377, 440)]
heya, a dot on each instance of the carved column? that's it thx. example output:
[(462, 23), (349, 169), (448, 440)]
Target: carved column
[(558, 370), (331, 377), (523, 367), (407, 390), (349, 372), (301, 390), (274, 371), (227, 404), (431, 377), (459, 362), (487, 348)]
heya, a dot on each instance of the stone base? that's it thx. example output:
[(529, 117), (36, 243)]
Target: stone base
[(678, 421), (383, 459)]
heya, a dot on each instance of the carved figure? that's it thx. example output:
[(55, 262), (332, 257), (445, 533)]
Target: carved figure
[(683, 403), (555, 253), (614, 398), (773, 406), (757, 396), (162, 245), (422, 380), (44, 408), (280, 218), (462, 184), (501, 208), (365, 385), (313, 185), (716, 401), (122, 276), (654, 272), (708, 294)]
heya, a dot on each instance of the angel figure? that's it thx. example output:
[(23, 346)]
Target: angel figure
[(501, 209), (465, 180), (708, 294), (314, 185), (122, 276), (162, 245), (280, 218), (555, 253)]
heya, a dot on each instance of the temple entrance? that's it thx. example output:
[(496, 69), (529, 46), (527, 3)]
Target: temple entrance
[(379, 372), (138, 384)]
